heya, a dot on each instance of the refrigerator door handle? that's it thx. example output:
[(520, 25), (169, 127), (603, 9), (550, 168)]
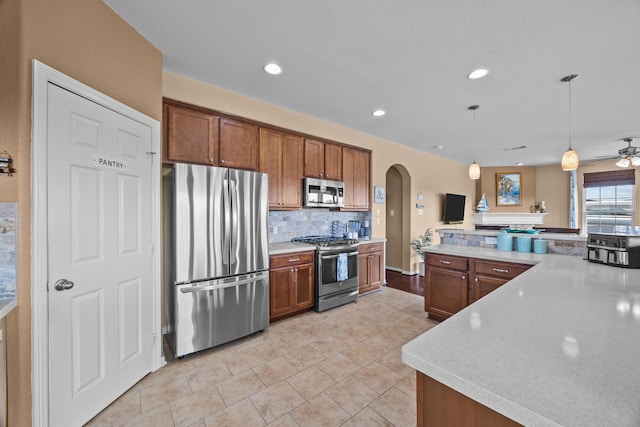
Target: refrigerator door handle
[(226, 245), (221, 284), (234, 231)]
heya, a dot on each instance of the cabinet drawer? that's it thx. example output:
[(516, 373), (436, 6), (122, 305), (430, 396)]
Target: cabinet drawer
[(500, 269), (447, 261), (294, 258), (370, 247)]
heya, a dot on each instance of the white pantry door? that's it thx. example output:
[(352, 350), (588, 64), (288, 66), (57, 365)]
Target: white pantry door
[(100, 256)]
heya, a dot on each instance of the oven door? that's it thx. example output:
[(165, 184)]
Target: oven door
[(328, 266)]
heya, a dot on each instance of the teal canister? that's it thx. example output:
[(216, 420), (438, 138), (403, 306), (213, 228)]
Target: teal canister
[(540, 246), (505, 241), (524, 244)]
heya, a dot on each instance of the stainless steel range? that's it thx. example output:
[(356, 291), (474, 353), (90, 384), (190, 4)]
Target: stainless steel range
[(336, 281)]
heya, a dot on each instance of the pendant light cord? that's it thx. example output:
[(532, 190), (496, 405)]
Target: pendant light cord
[(570, 117)]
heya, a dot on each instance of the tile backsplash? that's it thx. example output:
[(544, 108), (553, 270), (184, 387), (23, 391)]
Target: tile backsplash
[(285, 225)]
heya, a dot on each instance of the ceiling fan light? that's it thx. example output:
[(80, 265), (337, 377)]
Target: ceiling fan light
[(570, 160), (474, 170), (635, 161), (623, 162)]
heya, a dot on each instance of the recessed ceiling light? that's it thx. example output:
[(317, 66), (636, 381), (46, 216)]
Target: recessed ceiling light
[(273, 69), (478, 74), (438, 147), (378, 113), (519, 164)]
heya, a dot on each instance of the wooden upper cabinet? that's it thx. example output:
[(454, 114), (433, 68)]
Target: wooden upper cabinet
[(281, 158), (322, 160), (313, 159), (238, 145), (355, 174), (333, 161), (191, 136)]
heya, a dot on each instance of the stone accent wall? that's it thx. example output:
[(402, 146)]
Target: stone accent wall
[(554, 246), (285, 225)]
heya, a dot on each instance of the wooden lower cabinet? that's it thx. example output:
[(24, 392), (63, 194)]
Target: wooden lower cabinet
[(453, 282), (291, 286), (370, 266), (446, 285), (490, 275), (439, 405)]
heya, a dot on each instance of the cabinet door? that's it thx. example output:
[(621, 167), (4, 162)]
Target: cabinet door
[(271, 164), (192, 136), (377, 269), (349, 177), (362, 165), (313, 158), (364, 281), (238, 145), (291, 184), (446, 292), (355, 174), (333, 162), (482, 285), (281, 158), (303, 287), (280, 291)]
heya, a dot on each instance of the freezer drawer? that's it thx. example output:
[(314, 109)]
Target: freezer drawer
[(213, 312)]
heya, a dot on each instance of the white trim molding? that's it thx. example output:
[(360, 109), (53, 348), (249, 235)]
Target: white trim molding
[(508, 218), (42, 76)]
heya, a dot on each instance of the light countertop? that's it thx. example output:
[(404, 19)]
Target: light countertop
[(288, 247), (557, 345)]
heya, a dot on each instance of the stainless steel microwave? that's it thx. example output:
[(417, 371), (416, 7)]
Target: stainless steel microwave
[(322, 193)]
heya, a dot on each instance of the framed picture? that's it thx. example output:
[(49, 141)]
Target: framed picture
[(378, 194), (508, 189)]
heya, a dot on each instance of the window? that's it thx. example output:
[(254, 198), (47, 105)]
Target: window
[(608, 197)]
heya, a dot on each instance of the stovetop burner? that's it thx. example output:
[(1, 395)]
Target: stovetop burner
[(325, 240)]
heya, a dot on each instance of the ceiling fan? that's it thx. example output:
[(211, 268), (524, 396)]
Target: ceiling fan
[(627, 156)]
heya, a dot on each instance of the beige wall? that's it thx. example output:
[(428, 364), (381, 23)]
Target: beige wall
[(9, 69), (433, 176), (87, 41), (552, 186), (487, 185), (394, 232)]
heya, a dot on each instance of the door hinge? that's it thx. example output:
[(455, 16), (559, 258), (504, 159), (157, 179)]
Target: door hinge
[(154, 339), (153, 249), (151, 155)]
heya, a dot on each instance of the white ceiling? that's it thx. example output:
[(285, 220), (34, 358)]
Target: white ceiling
[(343, 59)]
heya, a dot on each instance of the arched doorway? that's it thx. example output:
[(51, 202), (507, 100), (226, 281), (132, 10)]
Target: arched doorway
[(398, 219)]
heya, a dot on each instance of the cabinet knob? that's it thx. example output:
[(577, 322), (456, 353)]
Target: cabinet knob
[(464, 277), (476, 279), (210, 159), (221, 161)]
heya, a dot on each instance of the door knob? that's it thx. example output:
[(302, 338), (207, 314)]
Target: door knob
[(63, 285)]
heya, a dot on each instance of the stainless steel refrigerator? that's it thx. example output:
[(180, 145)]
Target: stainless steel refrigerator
[(216, 256)]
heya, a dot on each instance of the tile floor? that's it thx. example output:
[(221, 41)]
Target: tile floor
[(338, 368)]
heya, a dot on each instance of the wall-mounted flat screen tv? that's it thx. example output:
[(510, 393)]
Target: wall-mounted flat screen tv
[(453, 208)]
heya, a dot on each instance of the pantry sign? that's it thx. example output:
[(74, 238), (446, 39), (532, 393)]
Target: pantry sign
[(110, 163)]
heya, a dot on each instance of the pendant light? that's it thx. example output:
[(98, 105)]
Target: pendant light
[(570, 157), (474, 168)]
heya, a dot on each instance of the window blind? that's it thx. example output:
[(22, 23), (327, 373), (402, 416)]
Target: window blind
[(610, 178)]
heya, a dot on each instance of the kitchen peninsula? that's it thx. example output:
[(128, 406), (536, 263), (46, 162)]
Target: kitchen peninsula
[(557, 345)]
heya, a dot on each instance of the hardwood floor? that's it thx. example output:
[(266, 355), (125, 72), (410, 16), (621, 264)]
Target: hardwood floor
[(412, 284)]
